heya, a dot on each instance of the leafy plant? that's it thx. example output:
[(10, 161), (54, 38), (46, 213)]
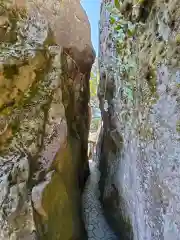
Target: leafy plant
[(94, 80), (123, 31)]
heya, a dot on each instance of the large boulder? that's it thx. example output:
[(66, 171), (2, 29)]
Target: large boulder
[(139, 99), (45, 62)]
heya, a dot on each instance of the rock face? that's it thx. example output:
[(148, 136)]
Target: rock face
[(45, 62), (139, 100)]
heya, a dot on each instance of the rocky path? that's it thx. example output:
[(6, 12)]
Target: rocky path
[(95, 223)]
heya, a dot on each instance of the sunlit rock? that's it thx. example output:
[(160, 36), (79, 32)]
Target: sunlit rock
[(45, 62)]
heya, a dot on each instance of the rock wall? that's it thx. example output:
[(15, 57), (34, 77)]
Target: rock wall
[(45, 62), (139, 100)]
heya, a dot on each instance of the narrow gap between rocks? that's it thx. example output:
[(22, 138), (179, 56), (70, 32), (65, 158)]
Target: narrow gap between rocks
[(95, 221), (98, 216)]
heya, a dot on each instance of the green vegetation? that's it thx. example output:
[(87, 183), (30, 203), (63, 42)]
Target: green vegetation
[(123, 30), (178, 38), (94, 81), (137, 81), (178, 126)]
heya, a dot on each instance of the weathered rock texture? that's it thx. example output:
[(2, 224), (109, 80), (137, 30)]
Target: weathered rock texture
[(139, 99), (45, 61)]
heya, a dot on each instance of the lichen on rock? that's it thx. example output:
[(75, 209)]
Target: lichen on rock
[(44, 85), (139, 42)]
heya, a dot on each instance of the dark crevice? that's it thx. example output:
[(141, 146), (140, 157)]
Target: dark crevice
[(145, 10)]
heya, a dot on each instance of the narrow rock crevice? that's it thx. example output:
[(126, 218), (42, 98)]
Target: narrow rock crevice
[(95, 222), (129, 188)]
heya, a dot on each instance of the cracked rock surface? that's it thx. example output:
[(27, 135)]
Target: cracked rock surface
[(140, 184), (45, 64)]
